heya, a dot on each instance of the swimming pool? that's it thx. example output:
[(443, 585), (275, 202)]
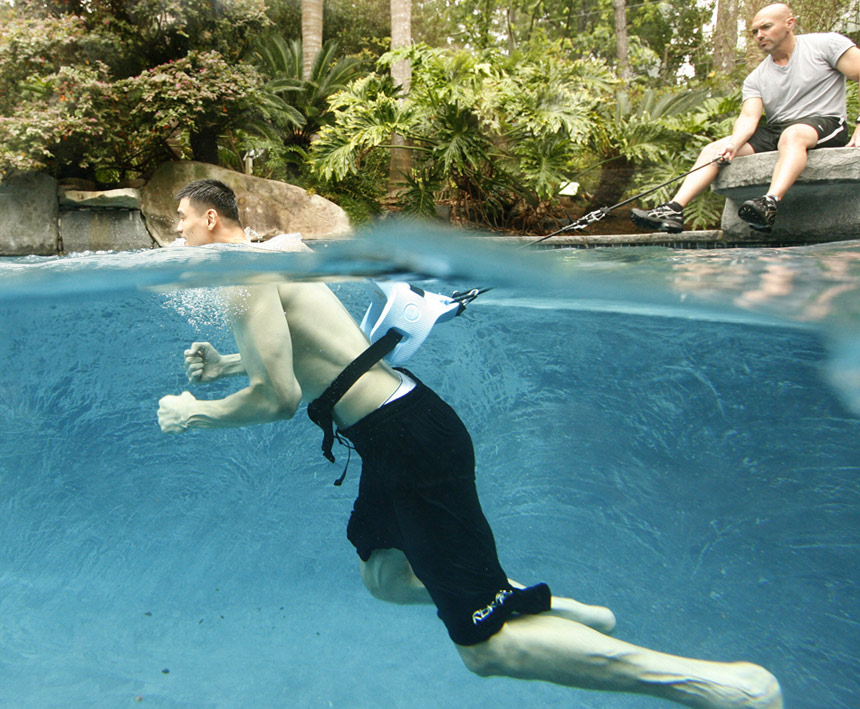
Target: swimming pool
[(672, 434)]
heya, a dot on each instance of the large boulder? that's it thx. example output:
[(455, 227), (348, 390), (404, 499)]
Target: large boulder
[(266, 206), (28, 215)]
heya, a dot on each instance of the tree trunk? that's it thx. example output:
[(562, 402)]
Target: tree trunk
[(615, 177), (312, 29), (726, 36), (620, 7), (752, 54), (401, 73)]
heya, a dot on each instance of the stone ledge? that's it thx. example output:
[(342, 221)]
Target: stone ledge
[(128, 198), (699, 239), (822, 205), (38, 216), (103, 230), (825, 166), (705, 238)]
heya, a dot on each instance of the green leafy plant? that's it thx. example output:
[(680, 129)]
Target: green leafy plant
[(81, 95), (706, 119), (293, 108), (493, 136)]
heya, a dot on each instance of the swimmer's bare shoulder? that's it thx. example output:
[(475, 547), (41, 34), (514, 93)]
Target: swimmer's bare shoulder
[(314, 311)]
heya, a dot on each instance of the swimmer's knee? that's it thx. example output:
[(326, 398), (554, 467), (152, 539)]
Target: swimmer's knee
[(388, 576), (372, 575), (479, 659), (367, 579)]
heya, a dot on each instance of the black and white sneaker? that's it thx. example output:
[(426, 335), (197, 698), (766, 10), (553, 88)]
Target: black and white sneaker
[(760, 212), (662, 218)]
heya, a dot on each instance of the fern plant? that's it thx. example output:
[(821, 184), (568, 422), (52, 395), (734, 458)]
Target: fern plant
[(703, 120), (493, 136)]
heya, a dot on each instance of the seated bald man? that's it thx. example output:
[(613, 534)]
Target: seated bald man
[(800, 88)]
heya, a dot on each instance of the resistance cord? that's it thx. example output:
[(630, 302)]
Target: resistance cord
[(598, 214)]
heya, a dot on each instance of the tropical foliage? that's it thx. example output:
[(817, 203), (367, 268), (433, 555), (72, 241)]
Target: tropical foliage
[(497, 137), (92, 94), (492, 135), (508, 100), (78, 118), (300, 104)]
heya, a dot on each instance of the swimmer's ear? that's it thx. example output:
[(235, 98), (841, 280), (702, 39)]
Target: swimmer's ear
[(211, 219)]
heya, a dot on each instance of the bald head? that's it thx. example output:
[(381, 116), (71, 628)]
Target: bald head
[(773, 30), (777, 11)]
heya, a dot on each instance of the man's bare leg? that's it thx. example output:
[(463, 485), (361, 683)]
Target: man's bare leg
[(599, 618), (794, 144), (558, 650), (389, 577), (697, 182)]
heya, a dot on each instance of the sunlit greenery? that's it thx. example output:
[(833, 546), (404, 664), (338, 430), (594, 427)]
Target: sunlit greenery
[(508, 102), (493, 135)]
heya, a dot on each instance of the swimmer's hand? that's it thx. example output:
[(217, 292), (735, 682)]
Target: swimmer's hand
[(203, 363), (174, 411)]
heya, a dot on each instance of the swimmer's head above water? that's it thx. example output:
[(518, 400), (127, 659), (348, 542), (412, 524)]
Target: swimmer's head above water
[(208, 214)]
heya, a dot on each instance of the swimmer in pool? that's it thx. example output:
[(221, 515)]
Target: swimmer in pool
[(417, 524)]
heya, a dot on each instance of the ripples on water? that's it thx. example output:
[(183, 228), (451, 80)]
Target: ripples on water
[(816, 286)]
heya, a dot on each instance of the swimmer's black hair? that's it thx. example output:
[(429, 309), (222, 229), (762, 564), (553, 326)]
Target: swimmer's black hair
[(212, 194)]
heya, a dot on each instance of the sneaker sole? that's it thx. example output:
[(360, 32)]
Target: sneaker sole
[(646, 223), (753, 218)]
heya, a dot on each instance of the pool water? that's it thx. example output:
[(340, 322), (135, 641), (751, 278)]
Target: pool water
[(672, 434)]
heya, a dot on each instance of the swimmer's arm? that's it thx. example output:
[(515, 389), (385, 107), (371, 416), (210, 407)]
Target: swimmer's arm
[(273, 392), (231, 365), (203, 363)]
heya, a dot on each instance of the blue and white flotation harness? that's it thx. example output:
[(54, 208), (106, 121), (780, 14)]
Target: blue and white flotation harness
[(410, 311), (397, 322)]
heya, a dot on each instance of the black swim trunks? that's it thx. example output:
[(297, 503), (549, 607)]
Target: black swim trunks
[(417, 494), (832, 133)]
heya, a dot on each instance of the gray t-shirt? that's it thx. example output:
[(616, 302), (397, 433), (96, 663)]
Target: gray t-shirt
[(809, 85)]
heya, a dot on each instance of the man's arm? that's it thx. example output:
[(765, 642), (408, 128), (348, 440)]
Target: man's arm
[(203, 363), (273, 392), (849, 65), (745, 125)]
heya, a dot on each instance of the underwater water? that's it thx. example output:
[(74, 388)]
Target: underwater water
[(673, 434)]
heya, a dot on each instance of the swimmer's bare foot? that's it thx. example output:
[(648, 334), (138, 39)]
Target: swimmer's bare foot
[(734, 685), (596, 617)]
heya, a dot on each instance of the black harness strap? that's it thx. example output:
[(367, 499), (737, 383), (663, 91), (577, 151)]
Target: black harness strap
[(321, 410)]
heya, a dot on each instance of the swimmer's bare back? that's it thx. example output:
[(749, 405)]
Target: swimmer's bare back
[(325, 339)]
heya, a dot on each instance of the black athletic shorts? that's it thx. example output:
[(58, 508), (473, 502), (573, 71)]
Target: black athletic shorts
[(417, 494), (832, 133)]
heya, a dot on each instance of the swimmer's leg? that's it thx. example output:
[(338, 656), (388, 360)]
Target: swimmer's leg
[(389, 577), (597, 617), (552, 649)]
